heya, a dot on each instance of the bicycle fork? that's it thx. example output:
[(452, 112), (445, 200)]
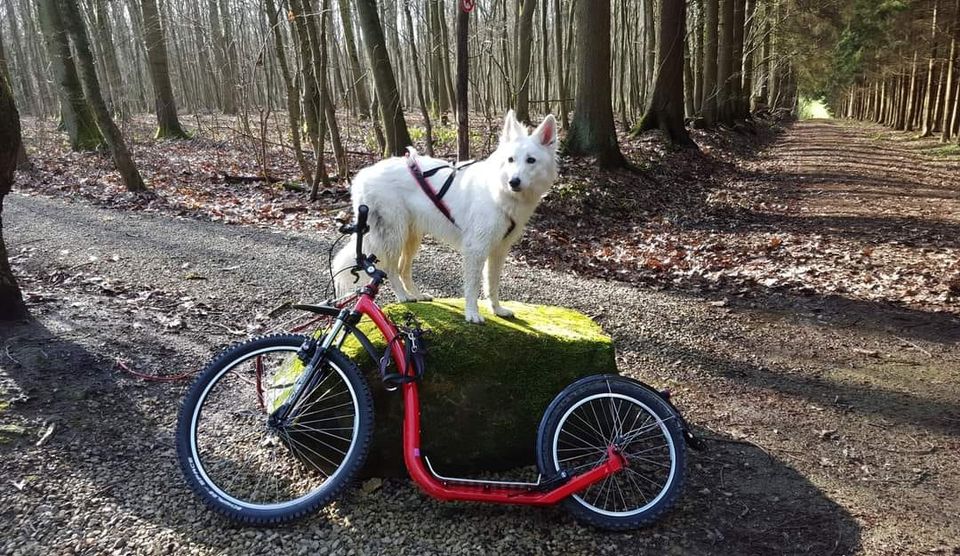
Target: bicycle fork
[(313, 355)]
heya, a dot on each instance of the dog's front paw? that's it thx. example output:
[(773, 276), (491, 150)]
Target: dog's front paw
[(474, 317), (503, 312)]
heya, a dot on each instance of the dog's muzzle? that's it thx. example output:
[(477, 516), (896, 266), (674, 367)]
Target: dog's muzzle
[(515, 184)]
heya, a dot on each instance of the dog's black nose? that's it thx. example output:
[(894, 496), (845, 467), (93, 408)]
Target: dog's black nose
[(515, 184)]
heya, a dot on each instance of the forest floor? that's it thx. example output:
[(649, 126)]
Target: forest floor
[(797, 291)]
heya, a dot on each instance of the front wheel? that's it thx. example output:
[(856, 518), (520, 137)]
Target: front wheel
[(258, 470), (592, 414)]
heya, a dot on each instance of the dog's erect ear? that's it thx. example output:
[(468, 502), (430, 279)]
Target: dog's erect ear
[(546, 132), (511, 128)]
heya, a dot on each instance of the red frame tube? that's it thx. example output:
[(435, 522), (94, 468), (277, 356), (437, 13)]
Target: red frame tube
[(450, 490)]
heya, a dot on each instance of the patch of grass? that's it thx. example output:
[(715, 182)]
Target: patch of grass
[(943, 151), (442, 135)]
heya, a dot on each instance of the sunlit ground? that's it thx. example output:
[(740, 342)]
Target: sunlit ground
[(811, 109)]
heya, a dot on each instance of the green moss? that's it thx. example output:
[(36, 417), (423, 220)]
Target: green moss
[(13, 429), (485, 387)]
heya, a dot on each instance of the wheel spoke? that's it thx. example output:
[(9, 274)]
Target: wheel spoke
[(246, 463), (638, 431)]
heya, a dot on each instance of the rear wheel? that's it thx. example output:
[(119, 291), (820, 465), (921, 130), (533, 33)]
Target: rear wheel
[(589, 416), (253, 469)]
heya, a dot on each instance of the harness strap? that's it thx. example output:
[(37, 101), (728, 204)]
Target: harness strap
[(437, 197), (418, 177), (449, 181)]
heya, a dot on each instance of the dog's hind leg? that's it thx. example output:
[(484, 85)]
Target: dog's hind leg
[(491, 281), (410, 249)]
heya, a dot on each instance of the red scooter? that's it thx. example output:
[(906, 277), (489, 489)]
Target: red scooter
[(276, 427)]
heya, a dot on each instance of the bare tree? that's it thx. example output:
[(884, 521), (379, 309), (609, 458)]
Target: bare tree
[(710, 51), (168, 124), (592, 131), (293, 96), (524, 45), (75, 115), (11, 300), (666, 105), (70, 14), (391, 108)]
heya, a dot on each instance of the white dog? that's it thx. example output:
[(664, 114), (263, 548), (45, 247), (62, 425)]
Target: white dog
[(482, 213)]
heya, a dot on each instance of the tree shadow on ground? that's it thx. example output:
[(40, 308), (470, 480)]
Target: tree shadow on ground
[(897, 230), (906, 408), (102, 442), (738, 500)]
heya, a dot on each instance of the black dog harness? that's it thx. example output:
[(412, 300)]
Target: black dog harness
[(437, 197)]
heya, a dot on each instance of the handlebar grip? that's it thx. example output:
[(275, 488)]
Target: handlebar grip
[(362, 212), (361, 228)]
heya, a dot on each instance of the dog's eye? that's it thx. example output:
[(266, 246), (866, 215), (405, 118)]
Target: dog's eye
[(531, 160), (510, 160)]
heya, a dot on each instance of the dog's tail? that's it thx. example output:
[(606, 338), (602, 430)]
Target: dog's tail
[(344, 281)]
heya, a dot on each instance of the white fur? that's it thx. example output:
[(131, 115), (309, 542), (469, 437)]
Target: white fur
[(481, 201)]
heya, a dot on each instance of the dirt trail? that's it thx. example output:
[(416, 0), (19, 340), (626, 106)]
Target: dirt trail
[(834, 420)]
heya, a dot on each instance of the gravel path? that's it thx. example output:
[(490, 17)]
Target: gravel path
[(834, 425)]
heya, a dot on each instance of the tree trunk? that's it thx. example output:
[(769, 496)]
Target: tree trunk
[(561, 67), (912, 96), (110, 64), (445, 52), (168, 123), (524, 45), (339, 154), (418, 78), (688, 83), (592, 131), (649, 48), (698, 58), (441, 95), (545, 56), (749, 45), (735, 87), (391, 109), (91, 88), (293, 95), (710, 65), (358, 79), (75, 114), (665, 111), (725, 53), (463, 73), (23, 162), (311, 96), (208, 86), (946, 126), (764, 69), (12, 306), (316, 61), (227, 79), (929, 109)]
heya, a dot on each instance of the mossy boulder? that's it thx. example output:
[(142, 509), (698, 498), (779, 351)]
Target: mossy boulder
[(485, 387)]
